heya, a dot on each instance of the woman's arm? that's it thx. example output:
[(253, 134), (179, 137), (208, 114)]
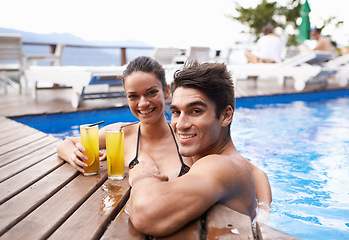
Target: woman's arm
[(263, 190)]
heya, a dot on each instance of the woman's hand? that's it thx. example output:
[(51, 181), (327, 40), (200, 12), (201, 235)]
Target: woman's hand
[(102, 155), (77, 158)]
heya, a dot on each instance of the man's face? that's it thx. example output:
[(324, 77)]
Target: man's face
[(195, 123), (314, 35)]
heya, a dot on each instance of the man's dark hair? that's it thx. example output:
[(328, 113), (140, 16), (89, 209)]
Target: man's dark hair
[(315, 29), (212, 79), (146, 64)]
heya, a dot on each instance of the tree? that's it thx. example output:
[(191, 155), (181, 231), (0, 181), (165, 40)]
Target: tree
[(284, 17)]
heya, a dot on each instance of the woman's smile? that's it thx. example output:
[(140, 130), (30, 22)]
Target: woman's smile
[(146, 112)]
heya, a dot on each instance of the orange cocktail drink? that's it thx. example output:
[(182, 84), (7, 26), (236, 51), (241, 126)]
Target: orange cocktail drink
[(114, 136), (90, 141)]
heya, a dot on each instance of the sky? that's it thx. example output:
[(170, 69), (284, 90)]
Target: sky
[(160, 23)]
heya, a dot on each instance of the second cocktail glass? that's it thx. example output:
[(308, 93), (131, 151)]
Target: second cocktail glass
[(114, 136)]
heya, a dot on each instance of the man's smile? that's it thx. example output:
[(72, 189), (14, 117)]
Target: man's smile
[(185, 135)]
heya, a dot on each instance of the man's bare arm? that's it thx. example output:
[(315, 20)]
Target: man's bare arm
[(160, 207)]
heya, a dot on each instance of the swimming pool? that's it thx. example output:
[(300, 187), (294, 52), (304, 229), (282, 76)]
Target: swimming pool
[(300, 140)]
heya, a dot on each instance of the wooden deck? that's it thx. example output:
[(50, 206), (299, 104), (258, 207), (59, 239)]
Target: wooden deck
[(42, 196)]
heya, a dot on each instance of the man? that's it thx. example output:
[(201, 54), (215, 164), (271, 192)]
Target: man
[(202, 109), (322, 43)]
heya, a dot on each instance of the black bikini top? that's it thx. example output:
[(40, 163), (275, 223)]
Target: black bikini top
[(134, 162)]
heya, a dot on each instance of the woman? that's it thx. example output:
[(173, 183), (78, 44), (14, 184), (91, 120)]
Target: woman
[(146, 91), (151, 139)]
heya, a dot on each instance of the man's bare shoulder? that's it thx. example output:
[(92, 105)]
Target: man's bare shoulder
[(225, 166), (230, 176)]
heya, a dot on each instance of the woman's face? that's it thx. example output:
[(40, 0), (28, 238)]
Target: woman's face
[(145, 96)]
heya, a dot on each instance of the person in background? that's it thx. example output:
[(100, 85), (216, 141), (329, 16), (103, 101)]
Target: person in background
[(202, 109), (269, 47), (322, 43)]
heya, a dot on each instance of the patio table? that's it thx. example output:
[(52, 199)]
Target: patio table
[(42, 196)]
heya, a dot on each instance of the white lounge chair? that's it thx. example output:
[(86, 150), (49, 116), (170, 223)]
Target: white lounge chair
[(340, 67), (55, 59), (297, 67), (165, 55), (78, 78), (223, 55), (342, 76), (11, 59), (201, 54), (13, 62)]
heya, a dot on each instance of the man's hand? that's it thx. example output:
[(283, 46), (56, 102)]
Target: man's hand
[(145, 169)]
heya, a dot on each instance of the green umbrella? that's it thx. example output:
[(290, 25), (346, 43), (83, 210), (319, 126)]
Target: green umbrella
[(304, 27)]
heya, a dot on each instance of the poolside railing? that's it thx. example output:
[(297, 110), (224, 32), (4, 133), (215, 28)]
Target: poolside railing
[(76, 54)]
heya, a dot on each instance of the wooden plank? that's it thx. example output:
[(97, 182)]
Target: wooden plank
[(46, 102), (18, 207), (192, 231), (96, 213), (122, 228), (21, 142), (225, 223), (264, 232), (7, 124), (27, 161), (27, 149), (13, 186), (53, 212), (14, 134)]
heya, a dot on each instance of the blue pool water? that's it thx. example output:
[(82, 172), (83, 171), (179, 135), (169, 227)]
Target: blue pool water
[(64, 125), (300, 140)]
